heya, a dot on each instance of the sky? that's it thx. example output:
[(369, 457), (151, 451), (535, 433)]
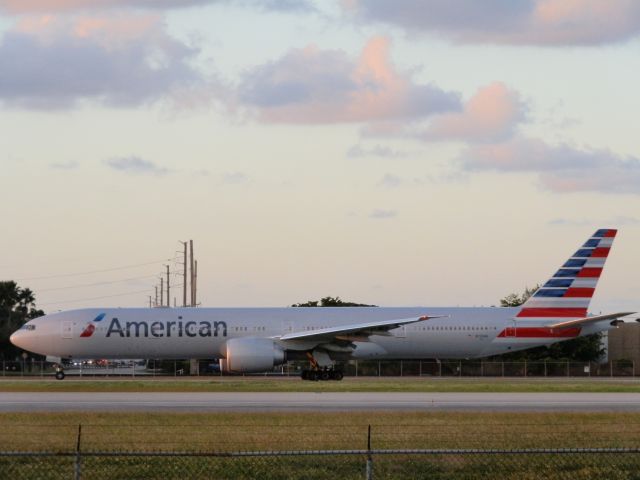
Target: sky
[(433, 152)]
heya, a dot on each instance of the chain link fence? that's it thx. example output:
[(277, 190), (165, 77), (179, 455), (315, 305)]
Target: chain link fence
[(362, 368), (236, 451), (573, 464)]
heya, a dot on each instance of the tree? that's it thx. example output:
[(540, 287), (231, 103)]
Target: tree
[(330, 302), (17, 306), (515, 300), (582, 349)]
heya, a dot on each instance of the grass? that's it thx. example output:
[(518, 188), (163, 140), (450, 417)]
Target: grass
[(312, 431), (194, 432), (349, 384)]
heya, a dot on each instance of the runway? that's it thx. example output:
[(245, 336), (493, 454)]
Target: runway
[(273, 402)]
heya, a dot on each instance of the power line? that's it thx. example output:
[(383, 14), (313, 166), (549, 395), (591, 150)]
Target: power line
[(95, 284), (93, 271), (94, 298)]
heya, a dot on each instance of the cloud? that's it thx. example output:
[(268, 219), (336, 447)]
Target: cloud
[(357, 151), (561, 168), (234, 178), (54, 62), (53, 6), (490, 115), (314, 86), (518, 22), (378, 214), (390, 180), (135, 165), (71, 165)]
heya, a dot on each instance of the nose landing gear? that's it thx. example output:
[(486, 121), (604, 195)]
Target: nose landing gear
[(59, 372)]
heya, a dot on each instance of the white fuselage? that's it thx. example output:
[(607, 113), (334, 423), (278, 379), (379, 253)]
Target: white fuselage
[(203, 332)]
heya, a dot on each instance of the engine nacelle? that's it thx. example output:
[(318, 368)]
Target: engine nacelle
[(251, 355)]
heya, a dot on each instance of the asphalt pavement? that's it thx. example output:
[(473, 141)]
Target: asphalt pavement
[(305, 401)]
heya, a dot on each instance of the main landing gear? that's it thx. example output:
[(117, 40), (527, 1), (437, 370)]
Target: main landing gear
[(322, 374), (59, 372), (322, 367)]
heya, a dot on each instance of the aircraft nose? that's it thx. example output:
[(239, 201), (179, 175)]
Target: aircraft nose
[(17, 338)]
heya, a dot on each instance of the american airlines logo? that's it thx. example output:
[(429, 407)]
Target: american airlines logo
[(202, 328)]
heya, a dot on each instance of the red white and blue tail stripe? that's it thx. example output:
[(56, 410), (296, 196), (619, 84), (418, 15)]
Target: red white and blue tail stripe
[(567, 294)]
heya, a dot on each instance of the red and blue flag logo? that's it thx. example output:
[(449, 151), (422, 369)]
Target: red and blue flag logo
[(90, 328)]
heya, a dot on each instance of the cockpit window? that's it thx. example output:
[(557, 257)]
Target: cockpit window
[(29, 327)]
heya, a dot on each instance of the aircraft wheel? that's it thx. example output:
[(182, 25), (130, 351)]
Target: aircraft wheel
[(337, 375), (60, 375), (314, 376), (325, 375)]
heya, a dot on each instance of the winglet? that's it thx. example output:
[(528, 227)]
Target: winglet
[(429, 317)]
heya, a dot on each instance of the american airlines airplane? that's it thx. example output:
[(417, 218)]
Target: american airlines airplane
[(258, 339)]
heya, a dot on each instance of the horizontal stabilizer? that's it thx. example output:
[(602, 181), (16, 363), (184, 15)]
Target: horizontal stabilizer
[(364, 329), (587, 320)]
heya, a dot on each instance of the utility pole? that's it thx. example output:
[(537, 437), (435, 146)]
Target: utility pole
[(193, 295), (195, 285), (150, 303), (168, 296), (156, 302), (184, 276), (161, 292)]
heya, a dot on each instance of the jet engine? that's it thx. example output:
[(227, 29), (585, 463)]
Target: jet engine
[(251, 355)]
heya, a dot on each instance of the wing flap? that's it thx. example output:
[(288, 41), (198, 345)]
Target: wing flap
[(589, 320)]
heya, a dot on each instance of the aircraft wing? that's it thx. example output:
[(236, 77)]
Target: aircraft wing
[(364, 329), (587, 320)]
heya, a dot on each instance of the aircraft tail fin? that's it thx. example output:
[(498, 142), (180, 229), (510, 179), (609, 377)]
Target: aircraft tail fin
[(568, 292)]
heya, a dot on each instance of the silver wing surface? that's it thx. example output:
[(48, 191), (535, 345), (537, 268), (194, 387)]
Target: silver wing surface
[(588, 320), (354, 331)]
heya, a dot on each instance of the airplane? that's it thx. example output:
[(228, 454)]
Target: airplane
[(252, 340)]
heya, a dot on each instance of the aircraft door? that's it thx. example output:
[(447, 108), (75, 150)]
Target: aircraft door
[(400, 332), (67, 329), (287, 327), (511, 329)]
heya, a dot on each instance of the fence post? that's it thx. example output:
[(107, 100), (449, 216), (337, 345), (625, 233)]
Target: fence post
[(439, 369), (4, 373), (420, 368), (356, 368), (481, 368), (525, 368), (378, 367), (369, 471), (77, 466), (503, 369), (611, 368), (460, 368), (545, 368), (568, 369), (401, 368)]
